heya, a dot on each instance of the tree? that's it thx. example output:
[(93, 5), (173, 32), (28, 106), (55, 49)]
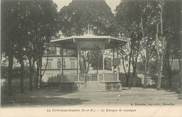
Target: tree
[(43, 25), (158, 22), (180, 35), (171, 21), (9, 26), (27, 26), (128, 17), (78, 15), (137, 20), (151, 16)]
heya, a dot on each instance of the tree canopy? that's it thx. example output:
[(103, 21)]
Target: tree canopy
[(78, 15)]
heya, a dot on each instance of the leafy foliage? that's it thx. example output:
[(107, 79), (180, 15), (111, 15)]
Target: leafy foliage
[(80, 14)]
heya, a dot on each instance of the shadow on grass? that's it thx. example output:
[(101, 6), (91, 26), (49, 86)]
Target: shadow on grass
[(41, 97), (44, 101)]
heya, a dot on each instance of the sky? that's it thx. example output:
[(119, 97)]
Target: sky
[(111, 3)]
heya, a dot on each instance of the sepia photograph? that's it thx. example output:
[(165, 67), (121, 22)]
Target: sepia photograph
[(59, 53)]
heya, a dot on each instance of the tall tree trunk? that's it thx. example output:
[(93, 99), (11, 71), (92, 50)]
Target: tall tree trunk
[(129, 70), (34, 74), (133, 65), (40, 73), (22, 76), (134, 70), (10, 69), (160, 73), (146, 67), (163, 49), (160, 54), (97, 65), (30, 74), (181, 76), (38, 78), (124, 68), (180, 36), (37, 75), (134, 75), (180, 88), (168, 69), (146, 57)]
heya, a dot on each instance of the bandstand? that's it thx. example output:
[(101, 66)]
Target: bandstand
[(92, 42)]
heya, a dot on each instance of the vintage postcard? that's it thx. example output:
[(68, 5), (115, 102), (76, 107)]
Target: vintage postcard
[(93, 57)]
